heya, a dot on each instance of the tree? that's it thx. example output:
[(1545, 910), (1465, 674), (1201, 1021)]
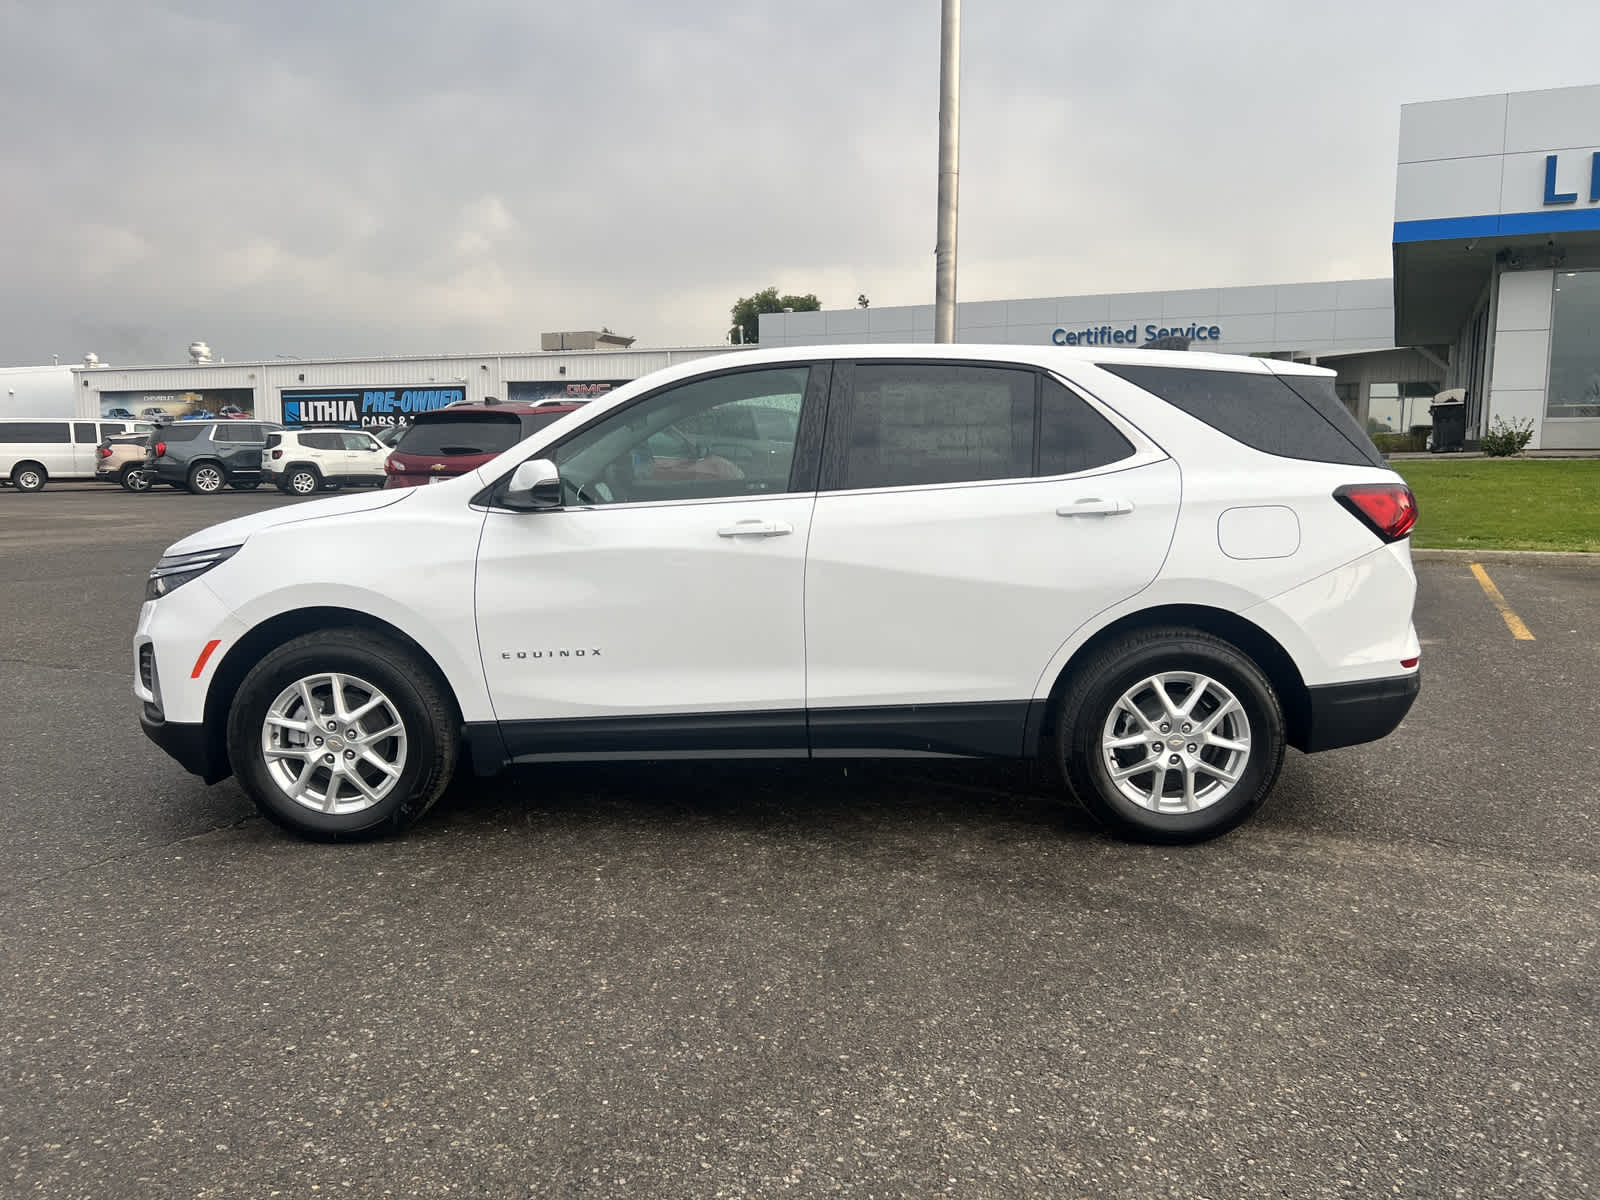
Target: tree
[(747, 312)]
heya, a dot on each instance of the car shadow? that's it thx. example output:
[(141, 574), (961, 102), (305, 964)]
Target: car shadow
[(795, 798)]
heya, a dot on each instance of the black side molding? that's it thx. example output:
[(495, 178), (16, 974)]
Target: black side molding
[(779, 734), (990, 730), (1348, 714)]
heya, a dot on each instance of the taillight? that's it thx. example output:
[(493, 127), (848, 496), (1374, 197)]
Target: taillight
[(390, 466), (277, 454), (1388, 509), (103, 451), (161, 448)]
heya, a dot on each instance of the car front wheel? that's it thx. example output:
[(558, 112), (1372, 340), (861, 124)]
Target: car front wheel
[(1170, 735), (205, 479), (342, 733), (28, 477)]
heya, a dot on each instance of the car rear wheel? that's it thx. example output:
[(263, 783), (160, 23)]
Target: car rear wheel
[(28, 477), (342, 733), (1170, 735), (205, 479), (302, 481), (135, 479)]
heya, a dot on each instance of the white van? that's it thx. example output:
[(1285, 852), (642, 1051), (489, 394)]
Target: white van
[(35, 450)]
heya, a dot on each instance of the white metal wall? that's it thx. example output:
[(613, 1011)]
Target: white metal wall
[(1309, 318)]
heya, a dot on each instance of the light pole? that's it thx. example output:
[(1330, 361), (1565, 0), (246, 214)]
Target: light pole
[(944, 254)]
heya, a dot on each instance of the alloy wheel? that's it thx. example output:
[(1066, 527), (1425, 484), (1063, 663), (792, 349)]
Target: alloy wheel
[(334, 743), (1176, 742)]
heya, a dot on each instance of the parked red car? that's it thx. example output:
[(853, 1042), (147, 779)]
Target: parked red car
[(452, 441)]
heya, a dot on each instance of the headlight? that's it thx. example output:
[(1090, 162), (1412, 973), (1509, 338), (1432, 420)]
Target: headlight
[(175, 570)]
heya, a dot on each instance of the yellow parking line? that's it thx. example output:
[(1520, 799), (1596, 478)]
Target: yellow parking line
[(1513, 622)]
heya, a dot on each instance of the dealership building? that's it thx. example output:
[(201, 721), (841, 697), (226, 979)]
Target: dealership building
[(1495, 299), (1496, 285)]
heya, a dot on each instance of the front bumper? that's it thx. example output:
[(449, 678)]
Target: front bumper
[(190, 745), (1348, 714)]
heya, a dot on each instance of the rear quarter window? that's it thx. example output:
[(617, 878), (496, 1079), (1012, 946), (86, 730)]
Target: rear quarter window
[(1287, 416)]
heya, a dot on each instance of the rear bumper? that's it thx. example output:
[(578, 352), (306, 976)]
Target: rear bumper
[(189, 745), (1348, 714)]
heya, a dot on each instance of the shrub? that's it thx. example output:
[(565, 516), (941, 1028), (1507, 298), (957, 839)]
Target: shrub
[(1505, 440), (1400, 443)]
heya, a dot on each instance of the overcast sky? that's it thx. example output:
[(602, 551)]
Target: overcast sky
[(353, 177)]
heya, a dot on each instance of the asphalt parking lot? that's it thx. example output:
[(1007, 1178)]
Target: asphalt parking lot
[(881, 980)]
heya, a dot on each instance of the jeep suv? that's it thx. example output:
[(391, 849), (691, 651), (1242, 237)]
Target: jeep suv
[(300, 461), (1154, 571), (204, 455)]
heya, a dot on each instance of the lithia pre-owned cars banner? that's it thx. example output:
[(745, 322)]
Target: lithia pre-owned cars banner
[(368, 408)]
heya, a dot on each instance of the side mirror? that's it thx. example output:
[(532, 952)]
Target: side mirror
[(534, 485)]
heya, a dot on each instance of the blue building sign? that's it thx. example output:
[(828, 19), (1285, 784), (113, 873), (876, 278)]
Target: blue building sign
[(365, 408), (1107, 335), (1551, 163)]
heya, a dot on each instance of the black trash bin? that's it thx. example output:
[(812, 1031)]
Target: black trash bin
[(1449, 426)]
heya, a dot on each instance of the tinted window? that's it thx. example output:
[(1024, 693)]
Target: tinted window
[(321, 441), (84, 432), (462, 433), (1262, 411), (925, 423), (34, 431), (179, 433), (1320, 393), (646, 452), (1072, 436), (533, 422)]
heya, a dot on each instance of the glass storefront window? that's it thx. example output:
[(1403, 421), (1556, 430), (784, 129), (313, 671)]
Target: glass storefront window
[(1383, 408), (1575, 346)]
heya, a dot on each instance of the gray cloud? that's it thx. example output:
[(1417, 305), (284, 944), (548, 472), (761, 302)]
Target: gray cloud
[(282, 177)]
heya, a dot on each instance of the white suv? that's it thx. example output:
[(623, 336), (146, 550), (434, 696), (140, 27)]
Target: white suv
[(301, 461), (1157, 570)]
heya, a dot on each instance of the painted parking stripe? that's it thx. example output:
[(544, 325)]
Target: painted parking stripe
[(1513, 622)]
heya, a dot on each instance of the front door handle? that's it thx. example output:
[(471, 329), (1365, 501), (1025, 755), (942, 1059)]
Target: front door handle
[(756, 528), (1094, 506)]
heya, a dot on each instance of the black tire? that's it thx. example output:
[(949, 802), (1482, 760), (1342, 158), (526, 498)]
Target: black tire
[(1093, 697), (419, 699), (135, 479), (302, 480), (206, 478), (29, 477), (245, 485)]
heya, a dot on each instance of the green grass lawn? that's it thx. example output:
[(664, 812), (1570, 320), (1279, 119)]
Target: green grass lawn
[(1505, 503)]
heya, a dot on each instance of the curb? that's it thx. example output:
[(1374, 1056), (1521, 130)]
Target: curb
[(1521, 558)]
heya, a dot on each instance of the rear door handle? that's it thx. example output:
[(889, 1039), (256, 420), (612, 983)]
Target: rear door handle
[(1094, 506), (756, 528)]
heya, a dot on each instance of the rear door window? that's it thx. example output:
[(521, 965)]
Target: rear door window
[(1072, 436), (83, 432)]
